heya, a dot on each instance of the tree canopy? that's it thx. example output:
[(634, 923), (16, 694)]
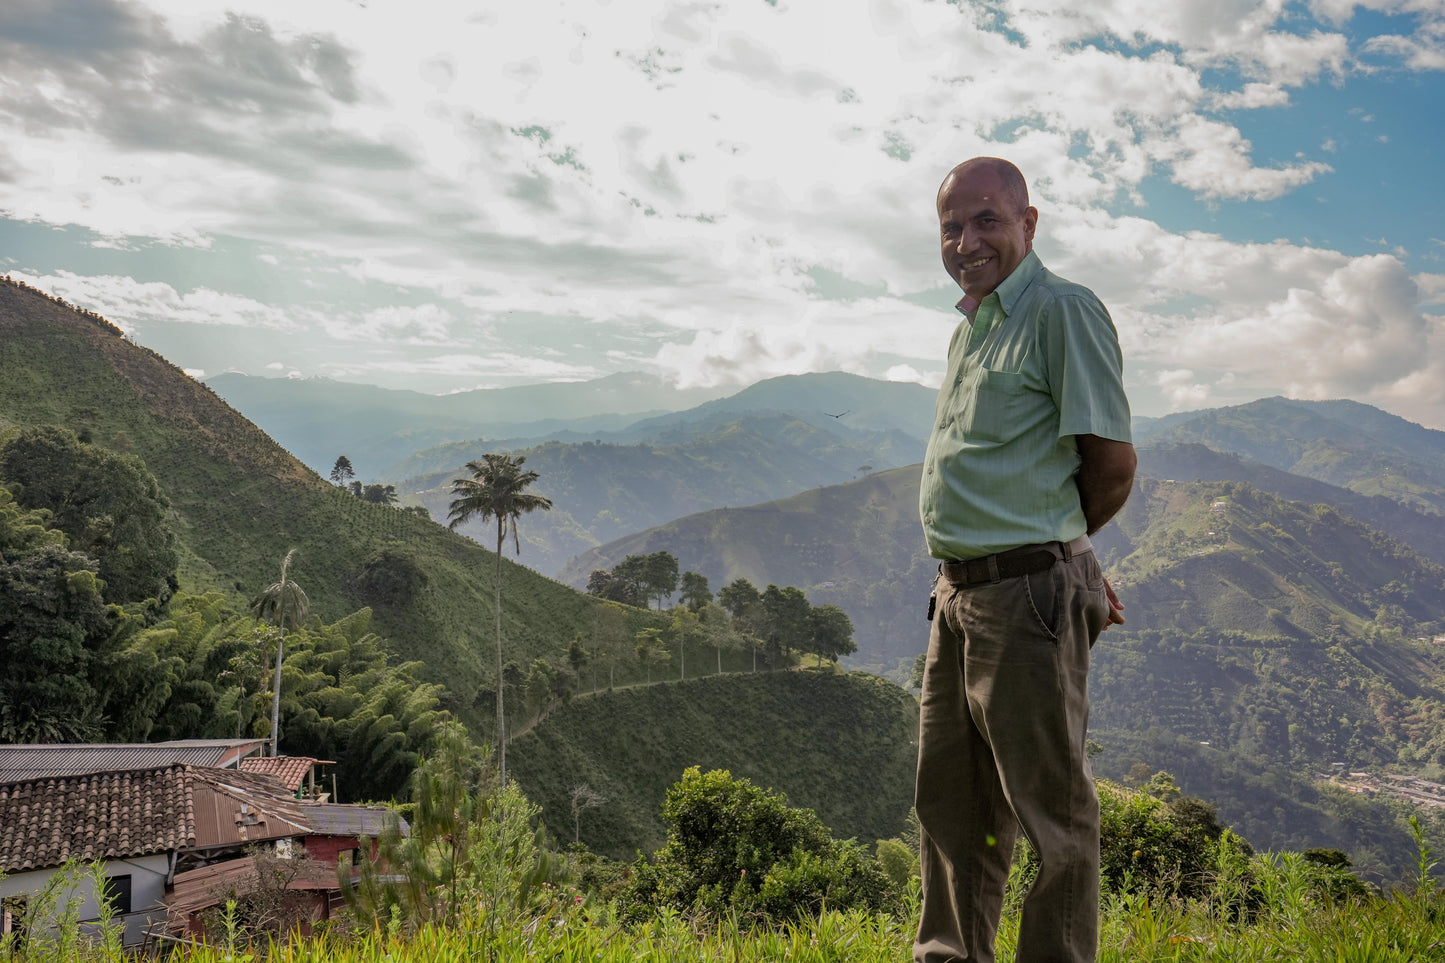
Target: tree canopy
[(109, 505)]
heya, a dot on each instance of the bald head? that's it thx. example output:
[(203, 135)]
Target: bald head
[(1011, 177), (985, 223)]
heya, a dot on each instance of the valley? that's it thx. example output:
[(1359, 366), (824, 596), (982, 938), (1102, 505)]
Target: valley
[(1279, 582)]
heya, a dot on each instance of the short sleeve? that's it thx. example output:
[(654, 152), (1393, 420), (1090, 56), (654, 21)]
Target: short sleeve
[(1085, 368)]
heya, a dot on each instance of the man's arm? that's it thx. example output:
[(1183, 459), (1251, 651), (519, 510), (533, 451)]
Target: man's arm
[(1105, 477)]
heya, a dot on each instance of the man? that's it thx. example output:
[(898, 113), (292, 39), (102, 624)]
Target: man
[(1030, 454)]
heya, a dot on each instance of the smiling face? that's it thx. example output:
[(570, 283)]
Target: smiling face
[(985, 224)]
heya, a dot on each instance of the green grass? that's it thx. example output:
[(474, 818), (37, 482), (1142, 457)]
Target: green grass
[(1407, 927)]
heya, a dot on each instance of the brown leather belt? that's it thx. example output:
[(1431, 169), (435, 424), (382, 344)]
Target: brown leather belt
[(1025, 560)]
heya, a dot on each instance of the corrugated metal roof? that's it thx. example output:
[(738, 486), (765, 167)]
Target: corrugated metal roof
[(200, 889), (342, 819), (22, 762), (235, 807)]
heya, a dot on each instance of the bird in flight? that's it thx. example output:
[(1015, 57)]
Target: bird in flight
[(838, 415)]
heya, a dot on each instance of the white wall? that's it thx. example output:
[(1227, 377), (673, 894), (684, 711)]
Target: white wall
[(148, 886)]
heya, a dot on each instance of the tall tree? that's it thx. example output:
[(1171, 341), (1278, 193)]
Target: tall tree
[(830, 632), (661, 575), (686, 629), (497, 489), (629, 583), (785, 616), (283, 604), (379, 494), (54, 633), (342, 472), (694, 591), (745, 604), (741, 598)]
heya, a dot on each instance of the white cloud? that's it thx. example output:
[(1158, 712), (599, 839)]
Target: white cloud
[(128, 303), (656, 183), (1181, 388), (908, 373), (1212, 159), (425, 324)]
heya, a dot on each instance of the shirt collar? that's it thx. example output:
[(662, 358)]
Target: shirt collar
[(1009, 289)]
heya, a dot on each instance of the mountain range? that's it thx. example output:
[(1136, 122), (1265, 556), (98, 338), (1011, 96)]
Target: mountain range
[(238, 502), (1280, 562)]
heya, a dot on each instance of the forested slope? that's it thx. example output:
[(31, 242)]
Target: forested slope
[(841, 744), (239, 502)]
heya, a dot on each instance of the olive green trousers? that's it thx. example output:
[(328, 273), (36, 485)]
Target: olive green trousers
[(1002, 733)]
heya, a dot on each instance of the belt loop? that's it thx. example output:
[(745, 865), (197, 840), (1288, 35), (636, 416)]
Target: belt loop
[(993, 575), (1068, 548)]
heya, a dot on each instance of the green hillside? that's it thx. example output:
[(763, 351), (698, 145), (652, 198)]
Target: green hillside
[(1344, 443), (856, 545), (239, 502), (1418, 528), (841, 744), (1286, 634), (1233, 558)]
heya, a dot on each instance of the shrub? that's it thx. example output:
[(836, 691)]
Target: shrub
[(736, 848), (1147, 844)]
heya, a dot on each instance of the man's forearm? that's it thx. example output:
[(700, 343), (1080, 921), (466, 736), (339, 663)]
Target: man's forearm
[(1105, 478)]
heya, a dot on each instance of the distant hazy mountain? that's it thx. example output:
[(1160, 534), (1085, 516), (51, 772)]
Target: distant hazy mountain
[(823, 399), (603, 491), (317, 419), (768, 441), (1344, 443)]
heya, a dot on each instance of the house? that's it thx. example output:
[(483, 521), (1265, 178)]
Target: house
[(144, 825), (133, 822), (149, 827), (310, 875)]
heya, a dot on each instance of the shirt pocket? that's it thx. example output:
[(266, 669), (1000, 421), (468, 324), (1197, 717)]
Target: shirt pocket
[(999, 403)]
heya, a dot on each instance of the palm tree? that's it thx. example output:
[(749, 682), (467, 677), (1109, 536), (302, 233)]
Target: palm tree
[(284, 604), (497, 489)]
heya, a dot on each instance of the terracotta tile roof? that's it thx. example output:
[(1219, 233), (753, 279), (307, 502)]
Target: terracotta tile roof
[(105, 815), (19, 763), (291, 770)]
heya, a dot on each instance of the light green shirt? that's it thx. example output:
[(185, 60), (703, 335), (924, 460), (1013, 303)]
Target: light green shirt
[(1039, 364)]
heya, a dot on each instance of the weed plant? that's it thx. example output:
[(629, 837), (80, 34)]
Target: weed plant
[(1293, 919)]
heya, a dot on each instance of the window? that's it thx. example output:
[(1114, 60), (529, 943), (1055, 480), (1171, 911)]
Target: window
[(12, 918), (117, 895)]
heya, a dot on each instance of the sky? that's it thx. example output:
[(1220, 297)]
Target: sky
[(451, 195)]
